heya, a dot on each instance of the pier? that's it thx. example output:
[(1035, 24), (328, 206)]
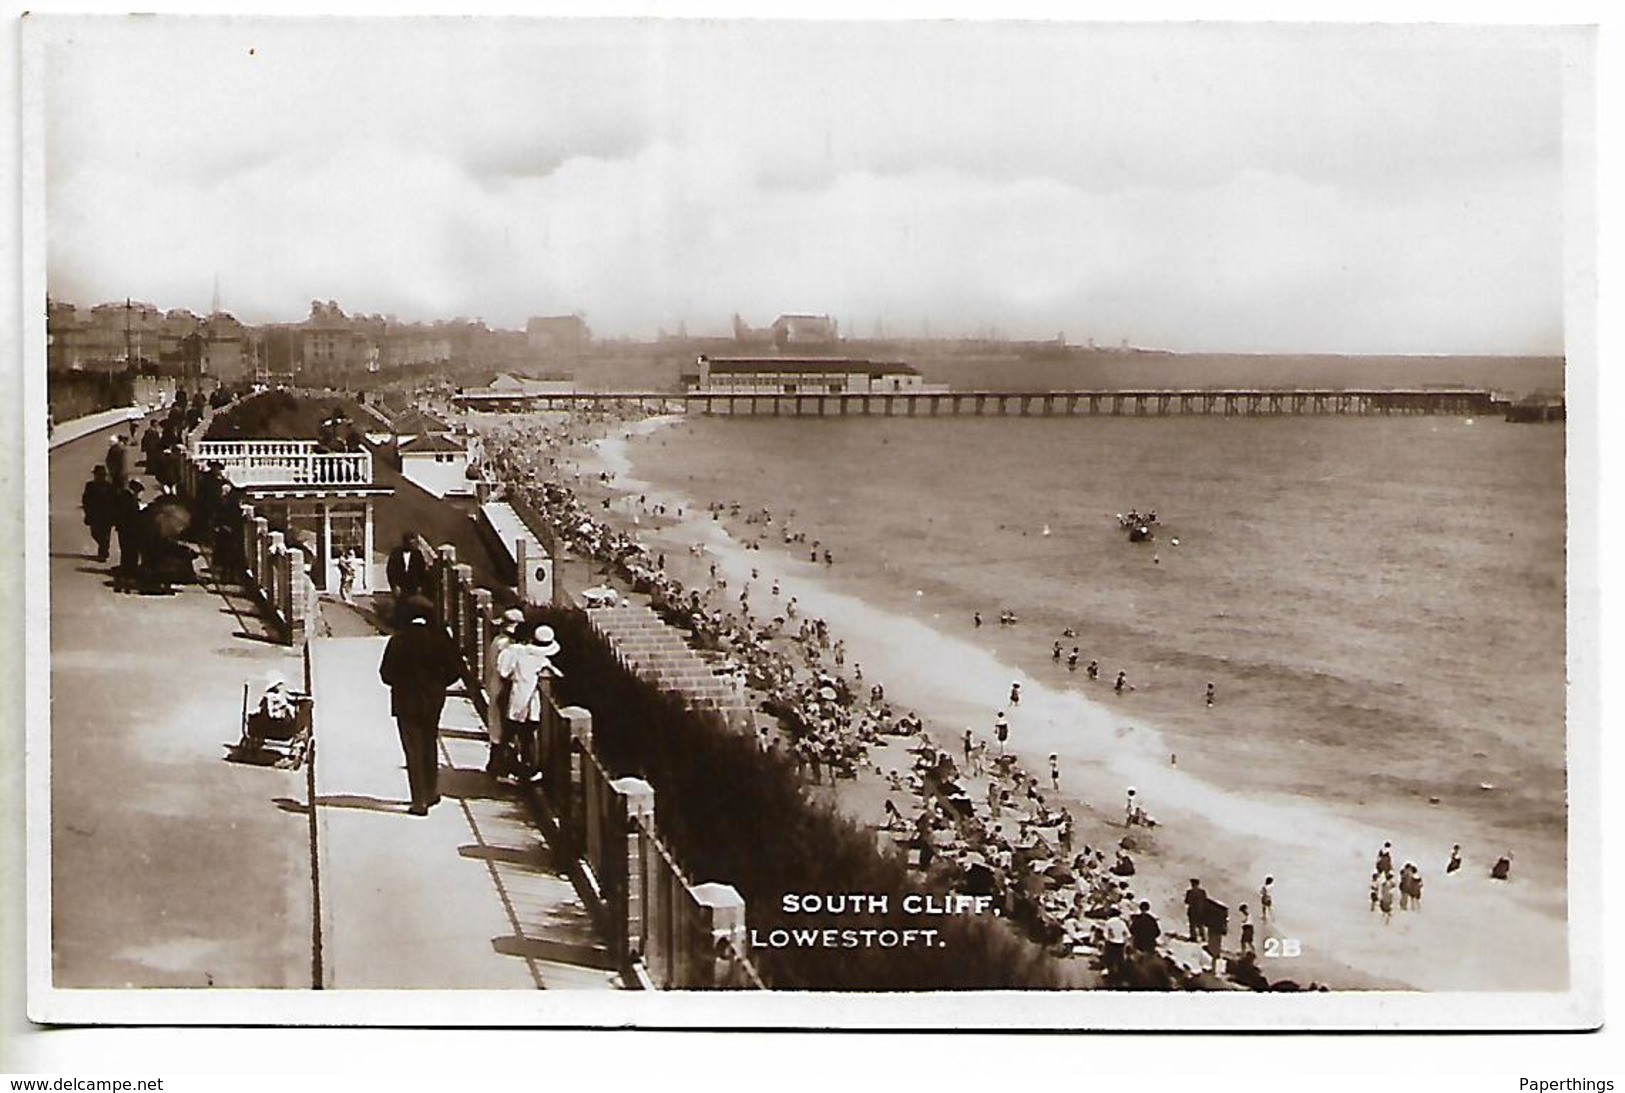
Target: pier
[(1261, 402)]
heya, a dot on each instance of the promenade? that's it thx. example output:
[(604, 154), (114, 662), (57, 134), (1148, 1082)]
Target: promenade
[(169, 866), (172, 867), (470, 895)]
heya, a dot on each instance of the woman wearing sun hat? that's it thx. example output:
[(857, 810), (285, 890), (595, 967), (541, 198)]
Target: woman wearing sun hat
[(524, 664), (500, 762)]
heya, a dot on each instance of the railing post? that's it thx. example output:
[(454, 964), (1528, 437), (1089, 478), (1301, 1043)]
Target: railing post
[(480, 635), (445, 561), (294, 597), (245, 537), (627, 893), (721, 930), (276, 560), (568, 774), (262, 543), (462, 609)]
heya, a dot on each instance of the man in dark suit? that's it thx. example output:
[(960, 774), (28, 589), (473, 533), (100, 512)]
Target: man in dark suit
[(129, 573), (407, 572), (117, 461), (420, 662), (99, 503)]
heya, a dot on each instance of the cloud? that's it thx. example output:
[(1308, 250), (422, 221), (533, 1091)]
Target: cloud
[(1178, 189)]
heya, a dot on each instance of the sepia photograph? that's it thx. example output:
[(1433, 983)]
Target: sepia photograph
[(757, 523)]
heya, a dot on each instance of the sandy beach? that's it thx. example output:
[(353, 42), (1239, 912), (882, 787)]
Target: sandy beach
[(1472, 933)]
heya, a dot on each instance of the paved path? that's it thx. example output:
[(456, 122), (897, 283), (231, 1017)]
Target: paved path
[(465, 897), (170, 866), (68, 431)]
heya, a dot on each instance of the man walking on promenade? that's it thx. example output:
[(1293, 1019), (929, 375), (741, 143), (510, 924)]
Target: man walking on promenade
[(126, 510), (118, 461), (407, 572), (97, 500), (420, 662)]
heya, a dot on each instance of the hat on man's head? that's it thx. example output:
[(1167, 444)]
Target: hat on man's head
[(417, 609), (512, 619), (134, 486), (544, 638)]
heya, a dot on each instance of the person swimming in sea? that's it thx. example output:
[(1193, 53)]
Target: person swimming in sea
[(1122, 682), (1055, 653), (1094, 669), (1072, 660)]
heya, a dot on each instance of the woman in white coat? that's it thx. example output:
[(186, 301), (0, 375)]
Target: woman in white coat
[(523, 665), (500, 763)]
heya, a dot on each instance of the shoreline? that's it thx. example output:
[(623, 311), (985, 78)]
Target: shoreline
[(1207, 830)]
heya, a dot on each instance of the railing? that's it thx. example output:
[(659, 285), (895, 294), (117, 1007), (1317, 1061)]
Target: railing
[(225, 450), (664, 930), (309, 468)]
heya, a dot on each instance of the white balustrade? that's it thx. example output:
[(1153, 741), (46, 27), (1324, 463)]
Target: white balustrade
[(285, 463)]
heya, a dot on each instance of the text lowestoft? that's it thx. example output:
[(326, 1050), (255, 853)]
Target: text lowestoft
[(879, 903)]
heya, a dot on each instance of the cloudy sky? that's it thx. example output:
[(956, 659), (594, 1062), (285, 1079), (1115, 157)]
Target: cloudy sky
[(1262, 188)]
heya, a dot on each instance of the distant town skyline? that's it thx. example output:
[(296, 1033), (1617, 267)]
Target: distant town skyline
[(1242, 188)]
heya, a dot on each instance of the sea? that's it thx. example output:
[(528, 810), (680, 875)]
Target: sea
[(1379, 603)]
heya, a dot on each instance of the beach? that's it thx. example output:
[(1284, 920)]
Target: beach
[(1223, 818)]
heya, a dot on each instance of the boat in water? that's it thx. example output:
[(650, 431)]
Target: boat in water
[(1140, 527)]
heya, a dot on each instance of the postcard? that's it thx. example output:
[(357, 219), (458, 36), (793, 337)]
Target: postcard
[(811, 524)]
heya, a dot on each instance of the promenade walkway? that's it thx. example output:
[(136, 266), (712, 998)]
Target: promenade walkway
[(468, 896), (170, 867)]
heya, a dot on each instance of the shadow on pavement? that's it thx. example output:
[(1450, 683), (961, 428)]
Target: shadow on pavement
[(558, 952), (267, 639), (465, 734), (530, 857), (470, 785), (362, 803)]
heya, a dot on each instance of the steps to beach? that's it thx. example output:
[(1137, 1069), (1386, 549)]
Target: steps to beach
[(649, 647)]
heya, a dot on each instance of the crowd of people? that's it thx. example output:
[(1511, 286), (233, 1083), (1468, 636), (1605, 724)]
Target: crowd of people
[(155, 538)]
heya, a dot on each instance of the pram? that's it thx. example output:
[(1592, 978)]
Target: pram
[(275, 727)]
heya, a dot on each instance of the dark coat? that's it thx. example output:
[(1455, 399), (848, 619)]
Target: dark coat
[(97, 501), (125, 509), (1145, 930), (419, 663), (406, 569)]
